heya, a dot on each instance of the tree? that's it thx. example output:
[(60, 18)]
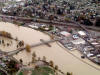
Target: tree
[(16, 38), (33, 59), (87, 22), (71, 73), (67, 19), (21, 43), (3, 41), (39, 58), (28, 48), (97, 22), (5, 34), (34, 54), (56, 67), (51, 17), (44, 58), (21, 61), (68, 73), (51, 63), (12, 66)]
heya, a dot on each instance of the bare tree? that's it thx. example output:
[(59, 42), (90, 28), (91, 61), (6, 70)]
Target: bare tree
[(34, 54), (44, 58), (39, 58), (33, 57)]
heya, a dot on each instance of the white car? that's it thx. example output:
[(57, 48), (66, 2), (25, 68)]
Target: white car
[(85, 52), (95, 43), (89, 55), (98, 55), (85, 49), (33, 26)]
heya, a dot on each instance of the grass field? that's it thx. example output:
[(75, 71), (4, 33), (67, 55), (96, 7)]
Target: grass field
[(40, 71)]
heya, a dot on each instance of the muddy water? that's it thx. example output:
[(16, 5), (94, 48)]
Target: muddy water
[(63, 59), (29, 35), (7, 45)]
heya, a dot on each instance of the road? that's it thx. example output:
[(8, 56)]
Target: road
[(32, 46), (28, 20)]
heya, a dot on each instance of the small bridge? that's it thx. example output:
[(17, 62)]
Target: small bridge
[(43, 42)]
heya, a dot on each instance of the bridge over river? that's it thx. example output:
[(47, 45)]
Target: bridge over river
[(43, 42)]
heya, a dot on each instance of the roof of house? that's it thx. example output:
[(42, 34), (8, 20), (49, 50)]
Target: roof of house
[(82, 33), (78, 41), (67, 34)]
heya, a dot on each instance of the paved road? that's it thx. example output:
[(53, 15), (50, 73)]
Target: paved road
[(35, 45)]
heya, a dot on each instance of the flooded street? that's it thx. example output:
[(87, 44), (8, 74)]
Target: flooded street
[(66, 61)]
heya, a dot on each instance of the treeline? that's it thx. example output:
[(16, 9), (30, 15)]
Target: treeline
[(5, 34)]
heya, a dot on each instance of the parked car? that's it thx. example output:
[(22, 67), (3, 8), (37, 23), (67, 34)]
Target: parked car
[(98, 55), (90, 55), (69, 46)]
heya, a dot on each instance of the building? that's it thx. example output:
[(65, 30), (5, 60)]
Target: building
[(3, 0), (6, 0), (78, 41), (10, 0)]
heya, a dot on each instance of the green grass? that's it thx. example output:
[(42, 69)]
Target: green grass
[(40, 71), (0, 73), (21, 73), (43, 71)]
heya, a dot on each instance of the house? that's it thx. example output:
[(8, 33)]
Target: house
[(82, 33), (66, 35), (78, 41)]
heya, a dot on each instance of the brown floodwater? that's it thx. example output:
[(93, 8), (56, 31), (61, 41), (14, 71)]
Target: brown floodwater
[(8, 44), (65, 61)]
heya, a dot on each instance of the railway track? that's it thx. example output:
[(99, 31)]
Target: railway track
[(29, 20)]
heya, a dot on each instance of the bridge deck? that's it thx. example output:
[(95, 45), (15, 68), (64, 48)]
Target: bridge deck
[(32, 46)]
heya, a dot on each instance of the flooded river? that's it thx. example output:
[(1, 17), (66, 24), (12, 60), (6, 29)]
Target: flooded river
[(7, 45), (66, 61)]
